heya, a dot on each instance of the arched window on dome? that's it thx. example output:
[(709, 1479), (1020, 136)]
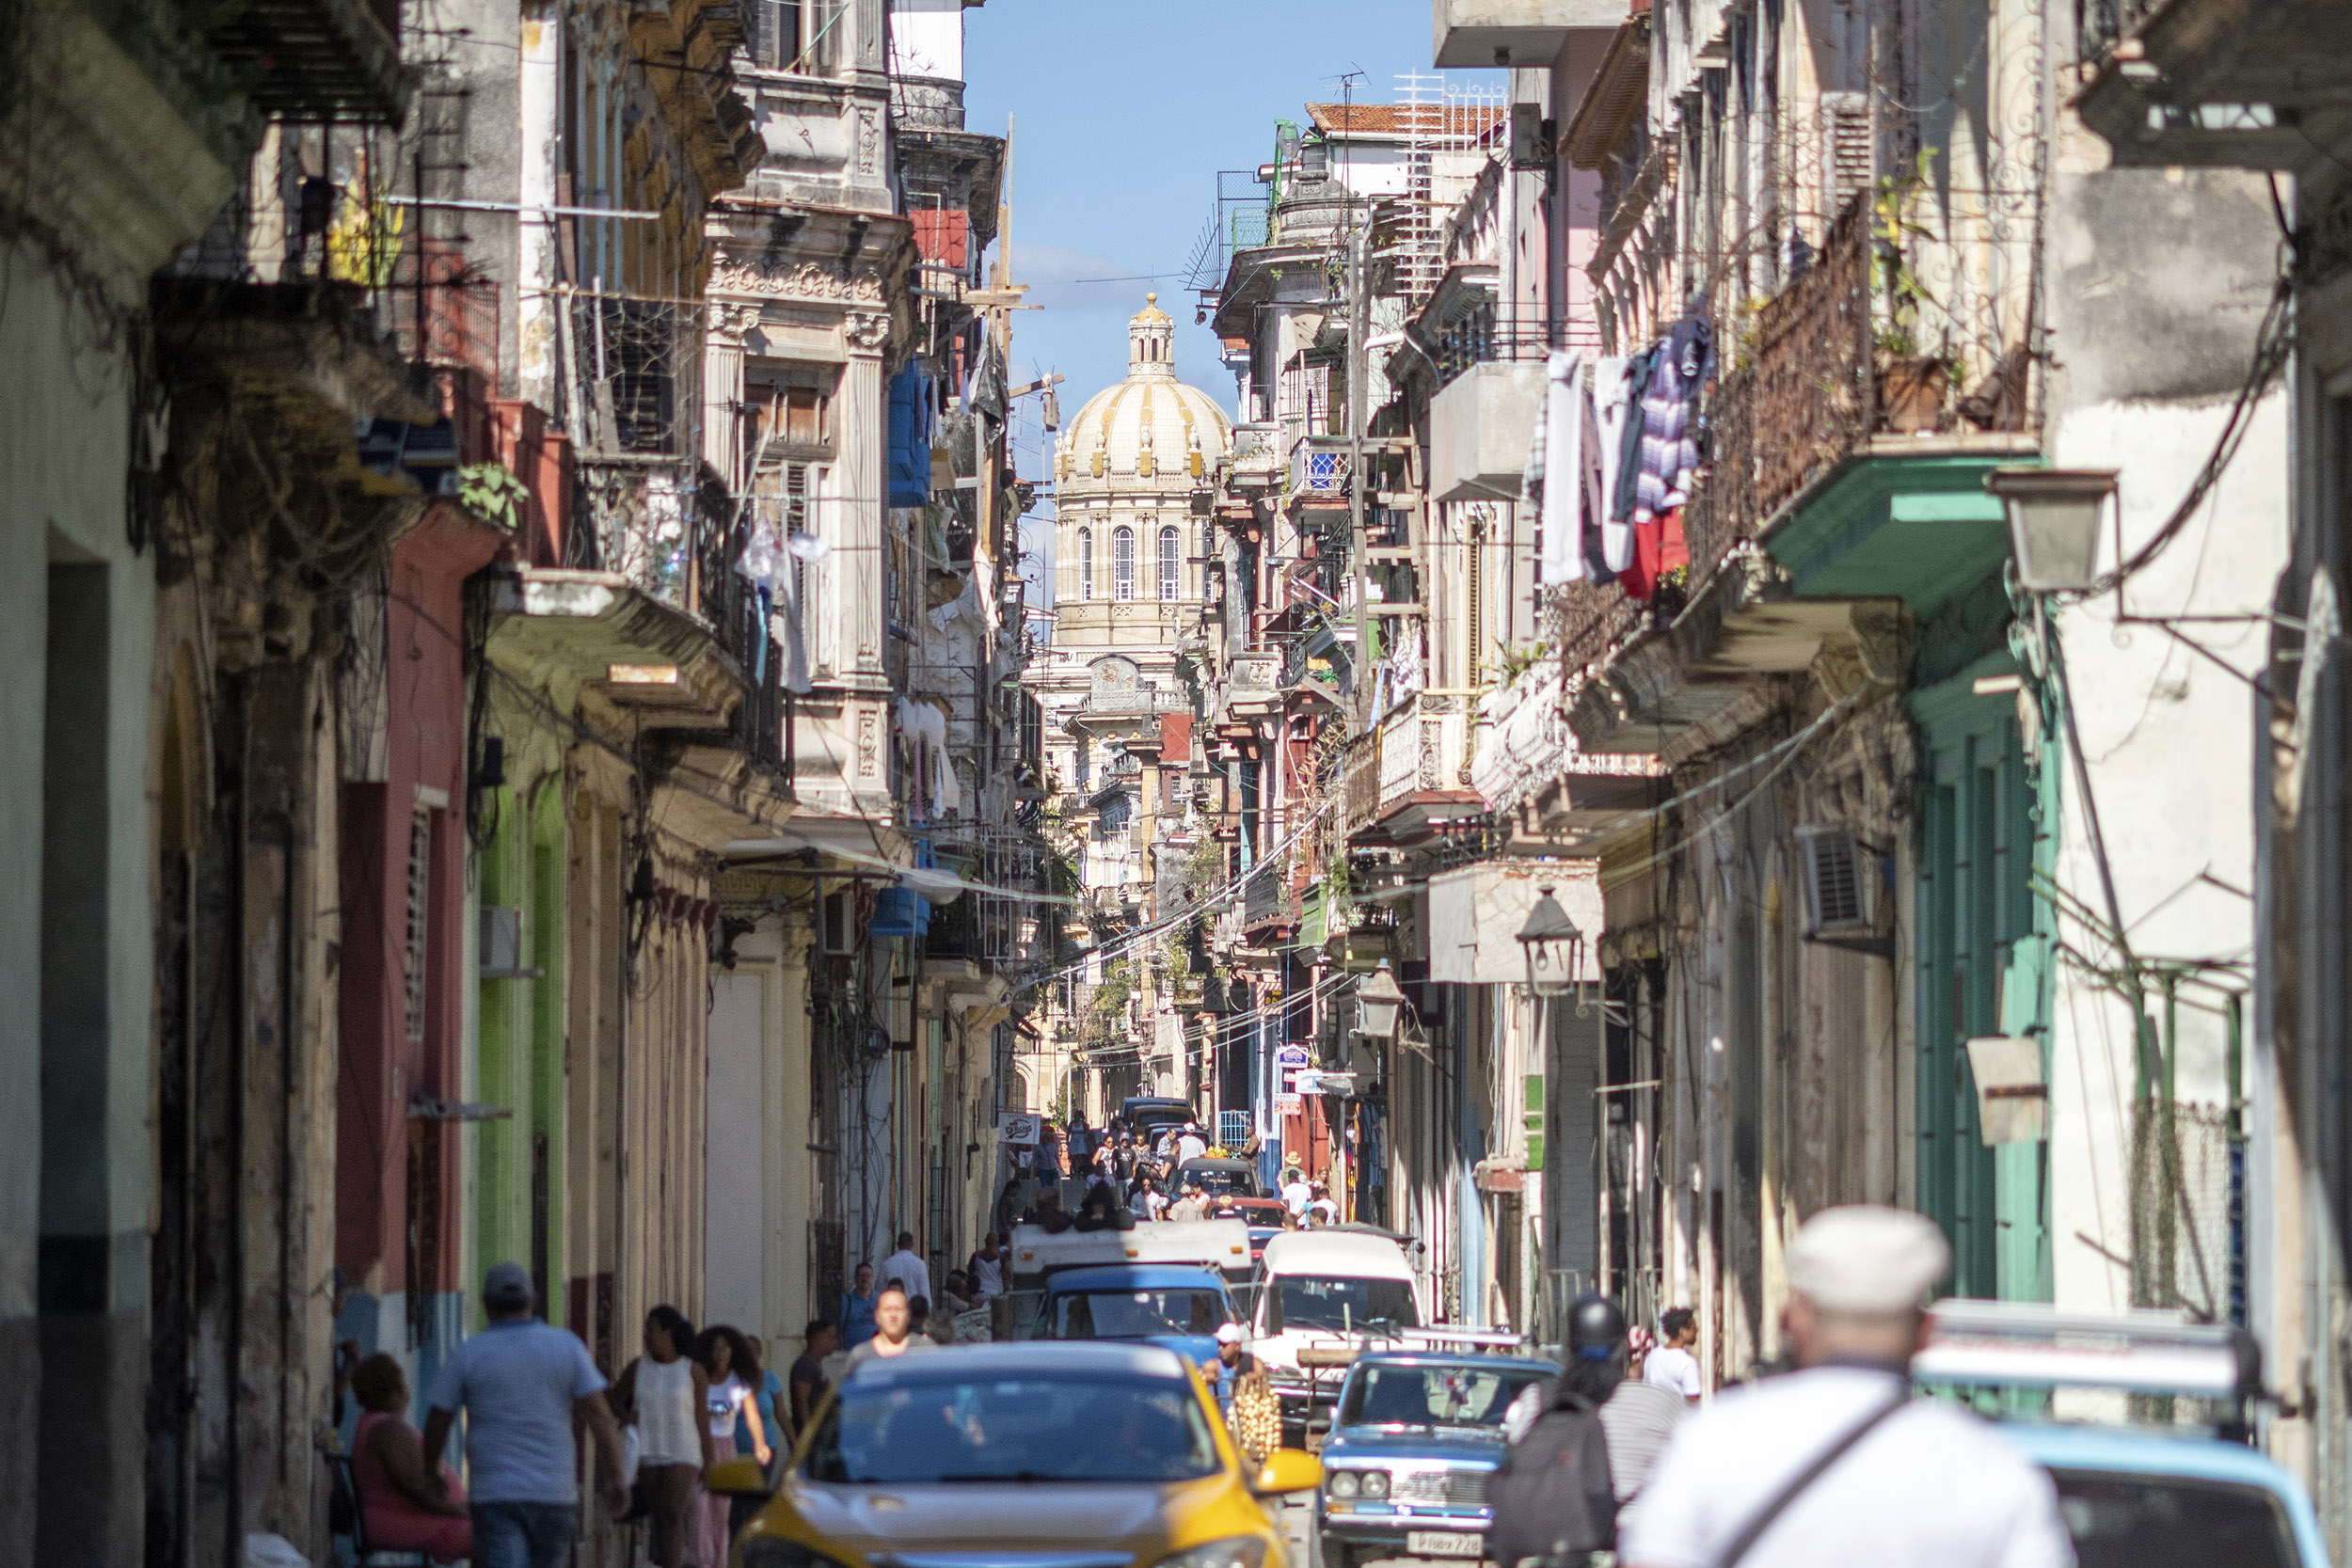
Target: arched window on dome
[(1123, 563), (1086, 563), (1171, 567)]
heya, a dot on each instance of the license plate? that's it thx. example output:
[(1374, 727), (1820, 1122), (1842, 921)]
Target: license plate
[(1444, 1542)]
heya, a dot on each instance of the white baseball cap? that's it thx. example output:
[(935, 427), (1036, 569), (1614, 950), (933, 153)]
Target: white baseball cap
[(1229, 1334), (1869, 1260)]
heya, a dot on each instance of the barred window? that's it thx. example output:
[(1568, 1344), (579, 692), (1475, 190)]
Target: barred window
[(1123, 563), (1086, 563)]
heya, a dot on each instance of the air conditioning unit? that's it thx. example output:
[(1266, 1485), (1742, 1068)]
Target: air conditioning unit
[(1839, 872)]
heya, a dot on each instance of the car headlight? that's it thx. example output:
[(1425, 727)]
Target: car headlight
[(1233, 1551), (1375, 1483), (1345, 1483), (775, 1551)]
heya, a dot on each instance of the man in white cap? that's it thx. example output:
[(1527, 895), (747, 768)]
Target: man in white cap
[(1836, 1464)]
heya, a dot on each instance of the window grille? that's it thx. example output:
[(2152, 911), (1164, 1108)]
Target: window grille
[(1086, 563), (1170, 572), (420, 918), (1123, 564)]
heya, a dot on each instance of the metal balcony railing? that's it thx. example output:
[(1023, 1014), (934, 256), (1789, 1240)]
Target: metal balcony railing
[(1919, 332)]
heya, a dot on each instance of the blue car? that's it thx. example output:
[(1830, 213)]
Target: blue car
[(1177, 1305), (1415, 1436), (2140, 1498)]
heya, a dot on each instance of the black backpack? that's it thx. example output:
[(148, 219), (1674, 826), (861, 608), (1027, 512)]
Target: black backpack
[(1552, 1496)]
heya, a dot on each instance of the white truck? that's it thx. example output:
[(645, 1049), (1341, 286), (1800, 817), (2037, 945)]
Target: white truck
[(1322, 1296)]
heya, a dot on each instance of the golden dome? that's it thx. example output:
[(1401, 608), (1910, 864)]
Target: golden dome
[(1149, 432)]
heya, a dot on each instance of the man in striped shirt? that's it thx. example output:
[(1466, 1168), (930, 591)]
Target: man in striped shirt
[(1636, 1418)]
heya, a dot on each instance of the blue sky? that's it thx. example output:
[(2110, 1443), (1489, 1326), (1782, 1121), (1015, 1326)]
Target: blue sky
[(1125, 111)]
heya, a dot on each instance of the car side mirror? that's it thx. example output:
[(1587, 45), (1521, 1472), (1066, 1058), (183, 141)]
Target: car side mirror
[(1288, 1470), (738, 1478)]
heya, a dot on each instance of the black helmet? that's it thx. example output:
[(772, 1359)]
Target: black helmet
[(1596, 1327)]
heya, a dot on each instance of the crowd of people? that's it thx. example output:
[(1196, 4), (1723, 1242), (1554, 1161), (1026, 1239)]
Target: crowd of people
[(1129, 1177)]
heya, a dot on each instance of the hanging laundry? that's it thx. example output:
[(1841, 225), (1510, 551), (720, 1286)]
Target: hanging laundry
[(1613, 399), (1570, 473), (1624, 493)]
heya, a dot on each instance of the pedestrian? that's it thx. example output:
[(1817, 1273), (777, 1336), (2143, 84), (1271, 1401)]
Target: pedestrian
[(1555, 1495), (1245, 1391), (906, 1269), (1192, 1206), (1297, 1195), (399, 1504), (1637, 1417), (730, 1373), (1672, 1366), (522, 1385), (987, 1269), (857, 1307), (1190, 1145), (669, 1388), (1836, 1464), (1145, 1201), (919, 1318), (1321, 1205), (894, 1330), (808, 1380), (774, 1410), (956, 1295), (1008, 1207)]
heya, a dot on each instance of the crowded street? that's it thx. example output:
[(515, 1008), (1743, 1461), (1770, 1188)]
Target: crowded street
[(1176, 784)]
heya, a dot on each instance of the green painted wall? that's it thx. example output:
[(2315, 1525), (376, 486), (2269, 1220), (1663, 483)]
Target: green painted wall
[(1982, 950)]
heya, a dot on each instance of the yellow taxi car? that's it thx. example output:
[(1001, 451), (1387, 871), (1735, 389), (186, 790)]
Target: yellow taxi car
[(1053, 1454)]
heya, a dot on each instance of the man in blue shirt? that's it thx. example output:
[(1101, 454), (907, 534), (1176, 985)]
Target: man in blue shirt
[(522, 1384)]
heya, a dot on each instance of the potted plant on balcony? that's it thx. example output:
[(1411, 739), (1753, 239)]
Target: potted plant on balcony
[(1913, 385)]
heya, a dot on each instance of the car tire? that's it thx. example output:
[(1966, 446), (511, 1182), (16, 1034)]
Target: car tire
[(1330, 1552)]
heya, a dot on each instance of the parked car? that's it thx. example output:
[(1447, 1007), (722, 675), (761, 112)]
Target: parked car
[(2189, 1489), (1232, 1188), (1059, 1453), (1414, 1436), (1145, 1115)]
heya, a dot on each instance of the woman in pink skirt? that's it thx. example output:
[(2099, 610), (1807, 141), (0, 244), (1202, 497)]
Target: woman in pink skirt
[(732, 1374)]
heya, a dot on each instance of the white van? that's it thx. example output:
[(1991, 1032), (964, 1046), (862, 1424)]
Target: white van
[(1327, 1293)]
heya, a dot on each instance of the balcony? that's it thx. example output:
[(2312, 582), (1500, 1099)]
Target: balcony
[(1477, 35), (2229, 83), (1318, 471), (315, 59), (1480, 427)]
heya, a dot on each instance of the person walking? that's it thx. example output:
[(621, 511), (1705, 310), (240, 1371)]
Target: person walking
[(1297, 1195), (987, 1269), (730, 1373), (401, 1505), (906, 1269), (1835, 1465), (1008, 1207), (857, 1307), (1145, 1201), (1245, 1392), (774, 1414), (1637, 1417), (1190, 1145), (1321, 1208), (522, 1385), (894, 1330), (807, 1382), (668, 1390), (1672, 1366)]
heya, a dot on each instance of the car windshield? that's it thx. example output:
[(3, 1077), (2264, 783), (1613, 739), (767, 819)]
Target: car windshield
[(1230, 1184), (1032, 1427), (1465, 1395), (2140, 1521), (1131, 1314), (1343, 1306)]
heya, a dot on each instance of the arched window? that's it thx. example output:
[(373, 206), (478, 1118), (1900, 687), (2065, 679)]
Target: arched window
[(1208, 553), (1171, 567), (1086, 563), (1123, 563)]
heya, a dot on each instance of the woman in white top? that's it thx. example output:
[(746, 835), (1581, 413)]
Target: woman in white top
[(667, 1389), (730, 1384)]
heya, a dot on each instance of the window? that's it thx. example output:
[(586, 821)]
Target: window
[(1086, 563), (1208, 553), (1123, 564), (1006, 1428), (1341, 1304), (1170, 570)]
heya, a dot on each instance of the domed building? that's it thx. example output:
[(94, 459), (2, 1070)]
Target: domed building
[(1129, 582)]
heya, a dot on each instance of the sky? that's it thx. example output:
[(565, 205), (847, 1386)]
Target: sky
[(1124, 112)]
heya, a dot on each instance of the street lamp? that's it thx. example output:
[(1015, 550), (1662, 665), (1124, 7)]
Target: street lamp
[(1553, 946), (1379, 1002), (2054, 523)]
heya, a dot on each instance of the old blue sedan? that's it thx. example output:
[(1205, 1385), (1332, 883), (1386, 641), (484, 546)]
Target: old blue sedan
[(1415, 1436)]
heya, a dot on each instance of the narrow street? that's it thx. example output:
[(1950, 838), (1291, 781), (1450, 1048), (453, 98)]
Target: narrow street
[(1472, 782)]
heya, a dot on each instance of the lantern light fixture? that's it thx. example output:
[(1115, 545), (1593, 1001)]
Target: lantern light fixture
[(1553, 948), (1380, 1001), (2054, 523)]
